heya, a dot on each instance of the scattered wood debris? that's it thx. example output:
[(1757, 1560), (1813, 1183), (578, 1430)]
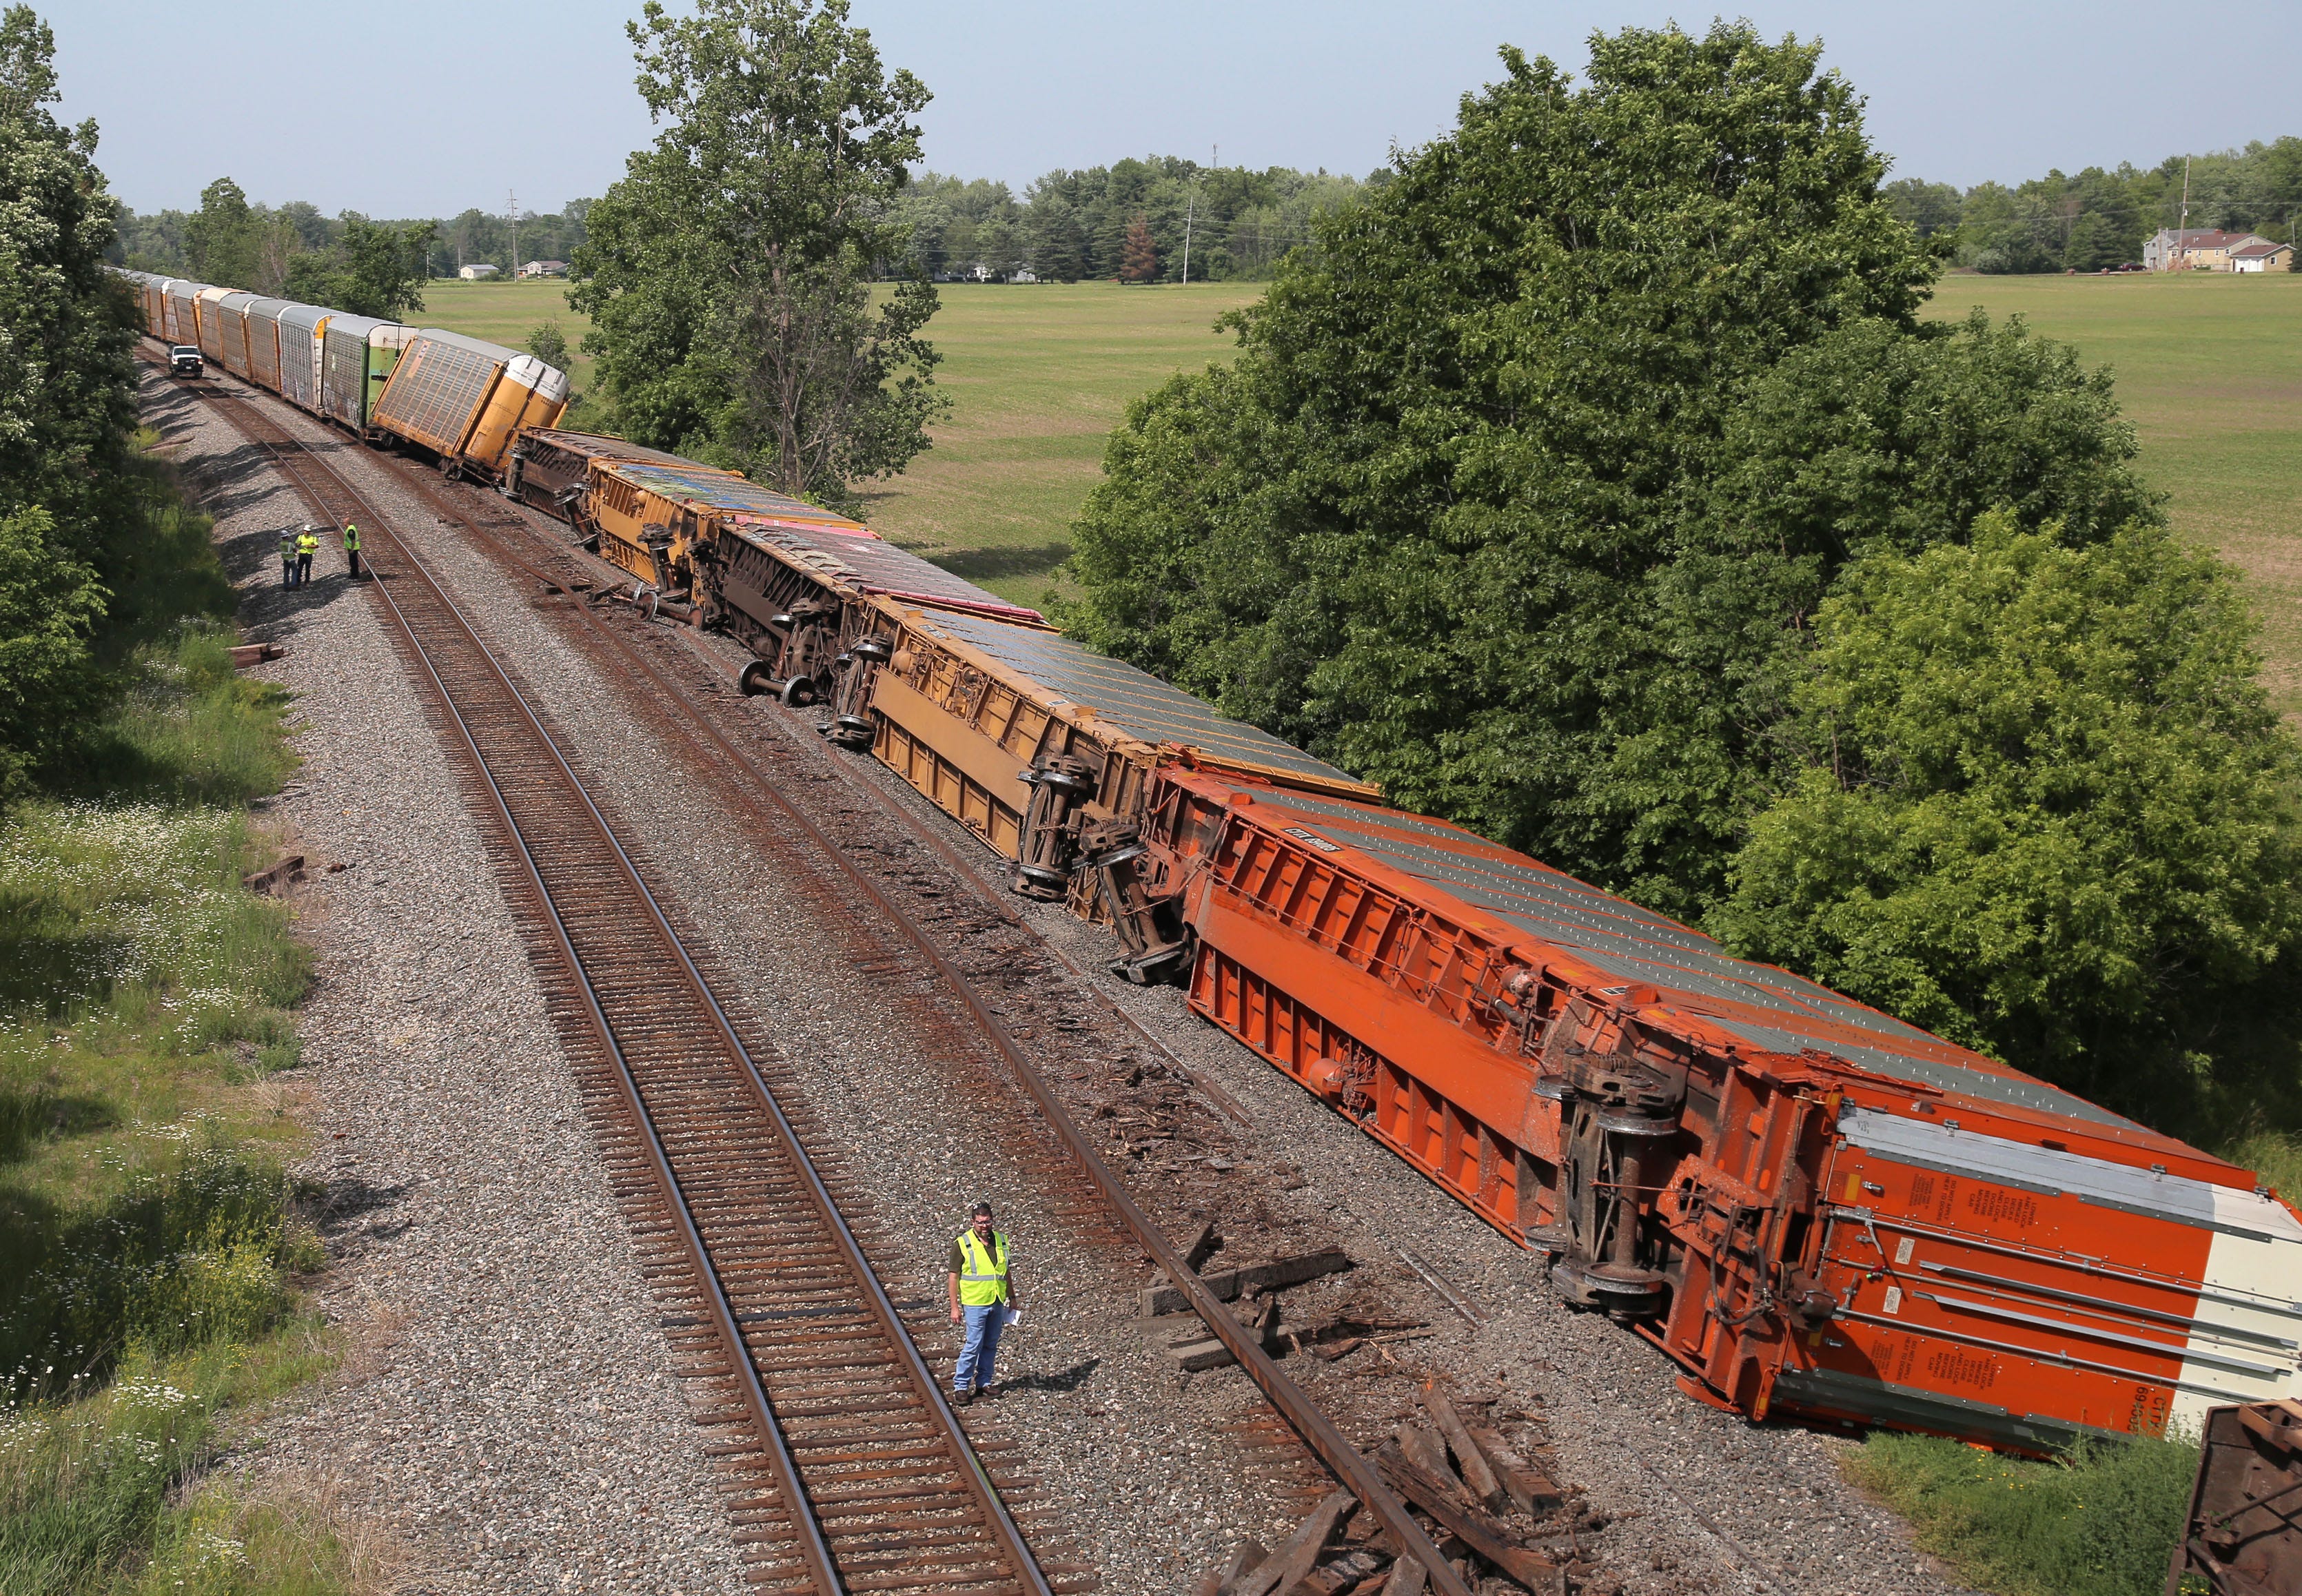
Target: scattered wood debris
[(1498, 1520)]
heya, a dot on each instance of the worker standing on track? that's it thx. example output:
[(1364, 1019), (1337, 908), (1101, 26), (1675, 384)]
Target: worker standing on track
[(351, 549), (306, 546), (287, 557), (983, 1298)]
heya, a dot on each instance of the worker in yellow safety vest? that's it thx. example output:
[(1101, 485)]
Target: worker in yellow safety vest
[(287, 557), (983, 1298), (306, 546), (351, 549)]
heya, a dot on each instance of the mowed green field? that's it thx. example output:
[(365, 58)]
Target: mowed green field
[(2209, 370)]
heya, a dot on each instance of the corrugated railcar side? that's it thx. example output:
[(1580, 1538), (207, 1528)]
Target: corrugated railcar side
[(357, 354), (231, 318), (1815, 1209), (465, 400), (205, 306), (263, 342), (302, 328)]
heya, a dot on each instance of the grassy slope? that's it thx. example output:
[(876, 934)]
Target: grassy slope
[(2205, 368)]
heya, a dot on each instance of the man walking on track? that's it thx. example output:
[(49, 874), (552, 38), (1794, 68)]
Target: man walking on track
[(983, 1298), (287, 557), (306, 546), (351, 548)]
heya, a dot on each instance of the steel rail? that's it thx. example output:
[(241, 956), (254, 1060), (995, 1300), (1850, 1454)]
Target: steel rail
[(1343, 1459), (817, 1552)]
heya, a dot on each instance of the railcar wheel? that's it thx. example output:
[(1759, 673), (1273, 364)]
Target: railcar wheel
[(799, 693), (755, 678)]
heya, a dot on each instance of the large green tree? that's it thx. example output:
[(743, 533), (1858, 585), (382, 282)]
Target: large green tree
[(1431, 521), (2033, 798), (730, 274), (372, 268), (66, 404)]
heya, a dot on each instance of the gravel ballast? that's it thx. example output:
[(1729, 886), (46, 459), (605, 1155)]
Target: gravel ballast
[(506, 1416), (493, 1230)]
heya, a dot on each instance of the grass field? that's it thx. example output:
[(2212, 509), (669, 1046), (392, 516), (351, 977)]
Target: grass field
[(2207, 371)]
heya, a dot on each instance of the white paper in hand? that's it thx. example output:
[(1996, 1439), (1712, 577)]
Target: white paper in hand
[(1008, 1316)]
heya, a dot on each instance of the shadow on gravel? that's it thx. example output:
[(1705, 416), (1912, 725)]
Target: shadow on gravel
[(1069, 1380), (345, 1206)]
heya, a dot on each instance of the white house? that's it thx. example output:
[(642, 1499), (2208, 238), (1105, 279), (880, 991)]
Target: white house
[(476, 274), (543, 268)]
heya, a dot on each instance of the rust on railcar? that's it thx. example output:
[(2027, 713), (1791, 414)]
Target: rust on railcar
[(2243, 1536), (1815, 1209)]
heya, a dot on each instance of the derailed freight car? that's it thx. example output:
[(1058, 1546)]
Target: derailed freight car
[(792, 581), (1816, 1210), (465, 400)]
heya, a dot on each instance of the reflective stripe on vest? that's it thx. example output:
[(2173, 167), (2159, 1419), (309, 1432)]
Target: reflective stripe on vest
[(351, 537), (307, 545), (985, 1280)]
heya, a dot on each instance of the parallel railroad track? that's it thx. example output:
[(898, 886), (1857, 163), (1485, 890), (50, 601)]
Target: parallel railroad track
[(849, 1470)]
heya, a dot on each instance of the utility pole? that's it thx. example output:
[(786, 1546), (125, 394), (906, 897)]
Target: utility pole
[(2183, 226), (511, 204), (1190, 205)]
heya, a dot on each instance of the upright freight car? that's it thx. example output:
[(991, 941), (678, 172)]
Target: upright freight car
[(183, 319), (231, 316), (357, 355), (207, 306), (465, 400), (263, 342), (302, 331)]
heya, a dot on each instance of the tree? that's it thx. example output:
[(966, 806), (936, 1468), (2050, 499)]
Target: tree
[(1431, 523), (375, 269), (1140, 262), (548, 344), (221, 236), (729, 274), (2035, 799), (66, 406)]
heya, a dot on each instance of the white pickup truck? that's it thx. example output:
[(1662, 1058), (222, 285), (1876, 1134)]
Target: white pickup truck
[(184, 360)]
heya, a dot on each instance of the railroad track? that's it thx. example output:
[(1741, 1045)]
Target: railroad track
[(849, 1470)]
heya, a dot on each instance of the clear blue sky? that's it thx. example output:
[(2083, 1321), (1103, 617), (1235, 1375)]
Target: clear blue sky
[(424, 107)]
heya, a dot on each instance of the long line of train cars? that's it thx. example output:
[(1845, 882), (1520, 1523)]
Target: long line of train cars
[(458, 400), (1816, 1211)]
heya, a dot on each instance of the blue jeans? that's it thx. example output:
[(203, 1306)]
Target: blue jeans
[(982, 1345)]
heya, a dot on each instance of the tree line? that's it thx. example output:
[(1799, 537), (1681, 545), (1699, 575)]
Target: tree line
[(242, 242), (2100, 218), (1226, 222)]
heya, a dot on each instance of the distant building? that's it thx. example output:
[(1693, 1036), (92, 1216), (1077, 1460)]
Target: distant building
[(476, 274), (2201, 249), (544, 268), (1024, 274), (2261, 257)]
